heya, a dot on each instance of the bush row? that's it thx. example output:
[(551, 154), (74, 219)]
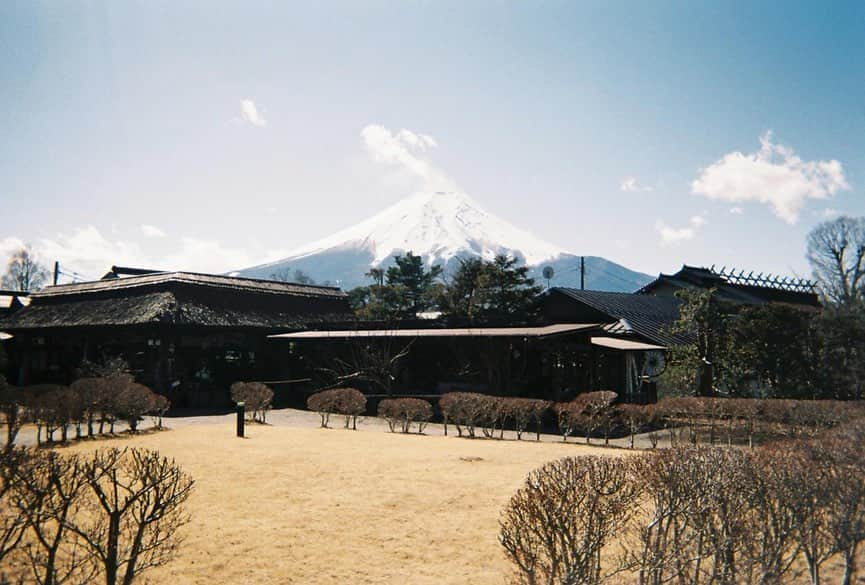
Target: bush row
[(468, 411), (81, 405), (700, 419), (693, 514), (591, 414), (742, 419)]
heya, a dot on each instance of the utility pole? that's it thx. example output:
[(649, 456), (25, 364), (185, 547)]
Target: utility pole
[(582, 273), (56, 271)]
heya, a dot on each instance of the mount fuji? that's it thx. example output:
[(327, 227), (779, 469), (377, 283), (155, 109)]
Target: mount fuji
[(442, 227)]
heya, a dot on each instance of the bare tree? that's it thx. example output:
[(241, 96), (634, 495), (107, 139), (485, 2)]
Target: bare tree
[(836, 251), (376, 275), (377, 361), (296, 276), (771, 551), (48, 498), (12, 524), (846, 510), (11, 407), (24, 272), (137, 511)]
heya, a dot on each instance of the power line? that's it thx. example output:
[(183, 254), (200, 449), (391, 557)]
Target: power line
[(615, 276)]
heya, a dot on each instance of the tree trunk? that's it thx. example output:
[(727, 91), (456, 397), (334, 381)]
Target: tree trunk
[(849, 566), (111, 552)]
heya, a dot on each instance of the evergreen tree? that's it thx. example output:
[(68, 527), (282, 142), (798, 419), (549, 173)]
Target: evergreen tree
[(404, 290), (698, 367), (841, 334), (413, 285), (507, 289), (462, 296), (379, 302), (490, 291), (772, 347)]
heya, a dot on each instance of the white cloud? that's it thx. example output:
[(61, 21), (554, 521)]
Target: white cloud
[(87, 252), (671, 235), (737, 210), (199, 255), (632, 185), (9, 246), (774, 176), (829, 213), (418, 141), (403, 149), (249, 112), (151, 231)]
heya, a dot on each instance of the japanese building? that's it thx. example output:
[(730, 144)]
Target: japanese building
[(186, 335)]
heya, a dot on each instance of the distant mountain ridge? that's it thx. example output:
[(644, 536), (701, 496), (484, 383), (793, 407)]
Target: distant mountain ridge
[(441, 227)]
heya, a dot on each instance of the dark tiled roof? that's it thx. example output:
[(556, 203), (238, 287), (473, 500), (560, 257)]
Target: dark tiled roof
[(645, 315)]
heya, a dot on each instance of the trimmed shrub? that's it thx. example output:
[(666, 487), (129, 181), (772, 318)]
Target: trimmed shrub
[(635, 417), (521, 412), (588, 412), (256, 396), (466, 410), (12, 406), (694, 514), (42, 408), (92, 394), (161, 404), (569, 416), (132, 403), (403, 412), (348, 402), (556, 526)]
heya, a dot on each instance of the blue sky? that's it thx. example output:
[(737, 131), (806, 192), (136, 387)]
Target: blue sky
[(210, 136)]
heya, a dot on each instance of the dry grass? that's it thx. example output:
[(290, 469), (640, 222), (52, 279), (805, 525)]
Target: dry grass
[(307, 505)]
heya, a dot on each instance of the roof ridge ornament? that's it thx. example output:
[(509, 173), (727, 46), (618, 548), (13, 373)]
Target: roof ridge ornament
[(761, 280)]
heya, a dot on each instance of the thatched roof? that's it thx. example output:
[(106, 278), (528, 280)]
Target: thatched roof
[(191, 278), (179, 299)]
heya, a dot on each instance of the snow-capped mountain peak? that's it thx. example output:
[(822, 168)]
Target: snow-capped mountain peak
[(438, 226), (442, 227)]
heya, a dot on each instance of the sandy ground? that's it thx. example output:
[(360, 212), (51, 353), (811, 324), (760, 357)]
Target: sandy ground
[(295, 503)]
